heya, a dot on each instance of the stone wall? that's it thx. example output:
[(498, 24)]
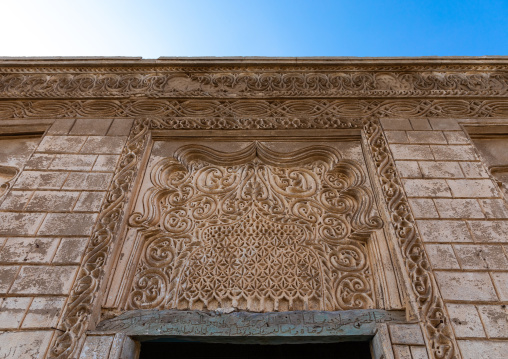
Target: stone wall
[(463, 220), (46, 221), (445, 216)]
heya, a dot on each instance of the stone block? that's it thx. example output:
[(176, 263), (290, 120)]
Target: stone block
[(401, 352), (52, 201), (473, 188), (20, 224), (465, 321), (501, 283), (15, 151), (85, 126), (483, 349), (120, 127), (426, 137), (453, 153), (396, 137), (28, 250), (481, 256), (419, 352), (426, 188), (70, 251), (106, 163), (466, 286), (489, 231), (495, 208), (40, 180), (7, 276), (408, 169), (397, 124), (420, 124), (16, 200), (88, 181), (96, 347), (441, 256), (89, 202), (458, 208), (61, 127), (39, 161), (474, 170), (423, 208), (61, 144), (73, 162), (444, 124), (444, 231), (441, 169), (44, 280), (495, 319), (68, 224), (406, 334), (43, 312), (25, 345), (104, 145), (456, 137), (12, 311), (411, 152)]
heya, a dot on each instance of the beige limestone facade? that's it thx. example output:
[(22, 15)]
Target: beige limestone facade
[(254, 200)]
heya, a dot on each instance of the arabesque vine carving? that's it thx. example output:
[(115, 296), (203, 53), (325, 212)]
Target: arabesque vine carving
[(247, 82), (256, 230)]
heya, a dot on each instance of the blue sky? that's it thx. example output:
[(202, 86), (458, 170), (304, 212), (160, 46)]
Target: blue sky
[(153, 28)]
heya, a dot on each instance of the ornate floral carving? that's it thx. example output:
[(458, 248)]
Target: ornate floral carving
[(256, 230), (251, 82)]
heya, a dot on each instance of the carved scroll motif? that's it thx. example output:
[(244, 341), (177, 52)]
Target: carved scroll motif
[(250, 82), (256, 230)]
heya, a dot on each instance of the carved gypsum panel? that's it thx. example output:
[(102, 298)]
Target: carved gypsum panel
[(255, 229), (251, 82), (259, 114)]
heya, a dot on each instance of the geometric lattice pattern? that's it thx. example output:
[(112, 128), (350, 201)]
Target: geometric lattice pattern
[(254, 263)]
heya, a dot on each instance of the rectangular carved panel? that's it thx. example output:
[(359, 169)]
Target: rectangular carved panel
[(253, 225)]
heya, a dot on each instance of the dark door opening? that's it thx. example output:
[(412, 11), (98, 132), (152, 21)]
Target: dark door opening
[(195, 350)]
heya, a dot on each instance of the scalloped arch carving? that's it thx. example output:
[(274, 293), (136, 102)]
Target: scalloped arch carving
[(255, 230)]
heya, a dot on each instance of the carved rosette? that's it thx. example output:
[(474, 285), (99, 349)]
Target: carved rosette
[(255, 230)]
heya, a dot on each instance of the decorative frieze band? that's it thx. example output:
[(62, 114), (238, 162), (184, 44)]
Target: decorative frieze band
[(252, 84), (259, 114)]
